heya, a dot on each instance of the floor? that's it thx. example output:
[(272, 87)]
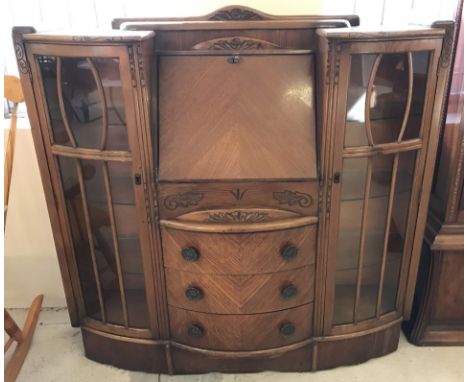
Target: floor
[(56, 355)]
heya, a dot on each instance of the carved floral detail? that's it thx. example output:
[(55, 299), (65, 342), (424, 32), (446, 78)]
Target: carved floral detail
[(235, 14), (236, 217), (292, 198), (183, 200), (238, 193), (21, 57), (234, 43)]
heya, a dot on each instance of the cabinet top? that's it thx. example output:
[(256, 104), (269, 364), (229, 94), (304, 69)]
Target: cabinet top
[(107, 36), (362, 33)]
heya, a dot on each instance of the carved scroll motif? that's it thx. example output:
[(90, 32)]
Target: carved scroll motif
[(21, 57), (184, 200), (234, 43), (235, 14), (292, 198), (236, 217)]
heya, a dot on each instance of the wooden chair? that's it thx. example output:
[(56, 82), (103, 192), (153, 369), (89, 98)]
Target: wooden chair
[(23, 338)]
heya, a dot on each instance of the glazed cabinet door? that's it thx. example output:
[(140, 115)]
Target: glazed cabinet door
[(91, 136), (385, 94)]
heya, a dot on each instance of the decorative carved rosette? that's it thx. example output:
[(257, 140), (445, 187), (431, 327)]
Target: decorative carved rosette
[(235, 14), (236, 217)]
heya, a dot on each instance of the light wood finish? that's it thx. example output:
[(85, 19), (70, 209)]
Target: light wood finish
[(230, 177), (240, 294), (23, 338), (243, 253)]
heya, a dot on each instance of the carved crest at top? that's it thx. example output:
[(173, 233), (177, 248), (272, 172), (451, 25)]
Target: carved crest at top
[(234, 43), (235, 14)]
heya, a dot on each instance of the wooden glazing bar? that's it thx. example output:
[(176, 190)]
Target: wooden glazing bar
[(115, 240), (370, 85), (62, 104), (102, 102), (410, 97), (383, 148), (84, 200), (8, 344), (387, 233), (83, 153), (362, 239)]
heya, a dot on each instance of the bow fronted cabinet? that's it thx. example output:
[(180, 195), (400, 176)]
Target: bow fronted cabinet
[(238, 191)]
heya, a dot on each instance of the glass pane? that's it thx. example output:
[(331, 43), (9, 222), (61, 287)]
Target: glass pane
[(352, 196), (126, 222), (48, 66), (92, 101), (355, 132), (420, 70), (398, 227), (74, 205), (374, 234), (114, 245), (388, 97), (357, 281), (108, 69)]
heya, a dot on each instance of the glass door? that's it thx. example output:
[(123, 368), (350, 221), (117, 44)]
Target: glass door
[(96, 158), (377, 182)]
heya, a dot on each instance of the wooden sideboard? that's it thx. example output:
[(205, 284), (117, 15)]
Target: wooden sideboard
[(238, 191)]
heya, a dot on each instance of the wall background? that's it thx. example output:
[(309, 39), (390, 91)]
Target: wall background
[(30, 259)]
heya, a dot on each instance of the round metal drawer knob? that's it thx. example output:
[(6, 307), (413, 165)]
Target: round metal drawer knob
[(287, 329), (289, 292), (193, 293), (289, 252), (195, 331), (190, 254)]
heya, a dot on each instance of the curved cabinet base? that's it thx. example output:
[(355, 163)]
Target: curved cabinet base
[(174, 358)]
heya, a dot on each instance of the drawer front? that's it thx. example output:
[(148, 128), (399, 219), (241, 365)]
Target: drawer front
[(240, 294), (241, 332), (240, 253), (176, 199)]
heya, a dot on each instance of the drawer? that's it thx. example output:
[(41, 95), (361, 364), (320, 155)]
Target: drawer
[(239, 253), (240, 294), (241, 332)]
